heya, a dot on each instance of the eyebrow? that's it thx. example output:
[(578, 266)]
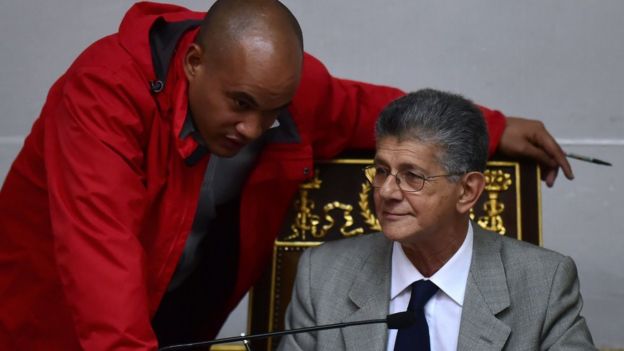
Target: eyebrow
[(244, 96), (401, 166), (252, 101)]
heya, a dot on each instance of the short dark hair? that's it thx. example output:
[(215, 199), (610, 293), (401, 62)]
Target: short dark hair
[(446, 120)]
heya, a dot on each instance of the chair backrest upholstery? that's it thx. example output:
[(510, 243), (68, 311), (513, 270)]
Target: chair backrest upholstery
[(337, 204)]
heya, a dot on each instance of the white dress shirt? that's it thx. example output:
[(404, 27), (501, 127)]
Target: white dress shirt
[(443, 311)]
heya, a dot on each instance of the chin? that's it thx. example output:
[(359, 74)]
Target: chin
[(396, 234), (223, 152), (390, 236), (401, 232)]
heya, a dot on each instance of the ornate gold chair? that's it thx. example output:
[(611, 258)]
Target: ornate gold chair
[(337, 204)]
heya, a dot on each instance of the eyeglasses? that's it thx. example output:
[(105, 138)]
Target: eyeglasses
[(408, 180)]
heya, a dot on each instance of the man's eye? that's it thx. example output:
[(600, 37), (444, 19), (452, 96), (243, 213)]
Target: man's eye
[(381, 171), (413, 176), (241, 104)]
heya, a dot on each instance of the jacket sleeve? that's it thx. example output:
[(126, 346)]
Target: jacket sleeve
[(341, 113), (564, 328), (300, 312), (495, 122), (93, 156)]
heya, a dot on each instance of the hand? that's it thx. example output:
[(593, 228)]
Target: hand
[(529, 139)]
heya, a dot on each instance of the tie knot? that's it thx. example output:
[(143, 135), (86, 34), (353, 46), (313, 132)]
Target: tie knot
[(422, 291)]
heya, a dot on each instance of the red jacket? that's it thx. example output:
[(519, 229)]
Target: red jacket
[(96, 208)]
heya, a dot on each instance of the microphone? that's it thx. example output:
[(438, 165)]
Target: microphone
[(394, 321)]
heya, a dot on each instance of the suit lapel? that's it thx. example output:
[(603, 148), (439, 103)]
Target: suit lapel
[(486, 296), (370, 297)]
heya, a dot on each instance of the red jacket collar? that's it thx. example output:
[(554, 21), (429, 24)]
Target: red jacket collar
[(136, 24), (134, 32)]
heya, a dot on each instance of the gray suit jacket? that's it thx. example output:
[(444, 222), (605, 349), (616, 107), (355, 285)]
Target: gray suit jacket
[(518, 297)]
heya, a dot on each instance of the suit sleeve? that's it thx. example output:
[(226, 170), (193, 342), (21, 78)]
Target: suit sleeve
[(93, 158), (564, 328), (342, 113), (300, 312)]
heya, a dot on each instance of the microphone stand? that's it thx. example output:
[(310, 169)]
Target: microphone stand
[(394, 321)]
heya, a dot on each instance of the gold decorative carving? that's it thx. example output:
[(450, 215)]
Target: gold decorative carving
[(305, 221), (496, 181), (367, 214), (346, 215)]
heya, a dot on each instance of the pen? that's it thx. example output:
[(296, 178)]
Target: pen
[(587, 159)]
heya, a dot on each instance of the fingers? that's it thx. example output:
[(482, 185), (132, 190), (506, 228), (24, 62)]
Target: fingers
[(548, 165), (529, 138), (549, 175), (550, 146), (538, 154)]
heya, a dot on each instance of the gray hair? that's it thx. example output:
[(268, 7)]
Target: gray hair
[(448, 121)]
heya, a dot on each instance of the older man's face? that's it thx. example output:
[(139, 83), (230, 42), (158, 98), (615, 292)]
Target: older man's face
[(411, 217)]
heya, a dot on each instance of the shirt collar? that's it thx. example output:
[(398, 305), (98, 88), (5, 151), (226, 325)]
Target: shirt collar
[(451, 278), (189, 129)]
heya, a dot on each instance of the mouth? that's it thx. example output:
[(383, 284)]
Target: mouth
[(392, 216), (233, 143)]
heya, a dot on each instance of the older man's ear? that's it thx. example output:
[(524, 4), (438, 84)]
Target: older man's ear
[(471, 187)]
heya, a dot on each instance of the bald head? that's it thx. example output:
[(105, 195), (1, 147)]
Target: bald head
[(231, 21), (242, 71)]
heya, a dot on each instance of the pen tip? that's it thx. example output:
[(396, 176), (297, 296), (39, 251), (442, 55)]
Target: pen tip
[(600, 162)]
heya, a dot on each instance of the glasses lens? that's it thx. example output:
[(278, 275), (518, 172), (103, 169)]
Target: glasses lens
[(410, 181)]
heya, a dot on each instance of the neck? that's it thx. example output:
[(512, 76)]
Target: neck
[(431, 253)]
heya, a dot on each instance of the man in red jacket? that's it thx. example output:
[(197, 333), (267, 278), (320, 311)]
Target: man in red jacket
[(146, 198)]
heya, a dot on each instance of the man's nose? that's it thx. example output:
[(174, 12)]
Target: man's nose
[(390, 188), (251, 127)]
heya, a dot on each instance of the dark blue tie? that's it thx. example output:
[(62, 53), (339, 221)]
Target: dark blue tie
[(416, 336)]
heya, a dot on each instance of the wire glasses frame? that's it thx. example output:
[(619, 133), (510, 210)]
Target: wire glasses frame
[(407, 180)]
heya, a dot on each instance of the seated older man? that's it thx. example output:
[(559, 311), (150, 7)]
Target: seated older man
[(469, 289)]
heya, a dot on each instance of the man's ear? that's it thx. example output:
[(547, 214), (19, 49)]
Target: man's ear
[(193, 61), (472, 187)]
